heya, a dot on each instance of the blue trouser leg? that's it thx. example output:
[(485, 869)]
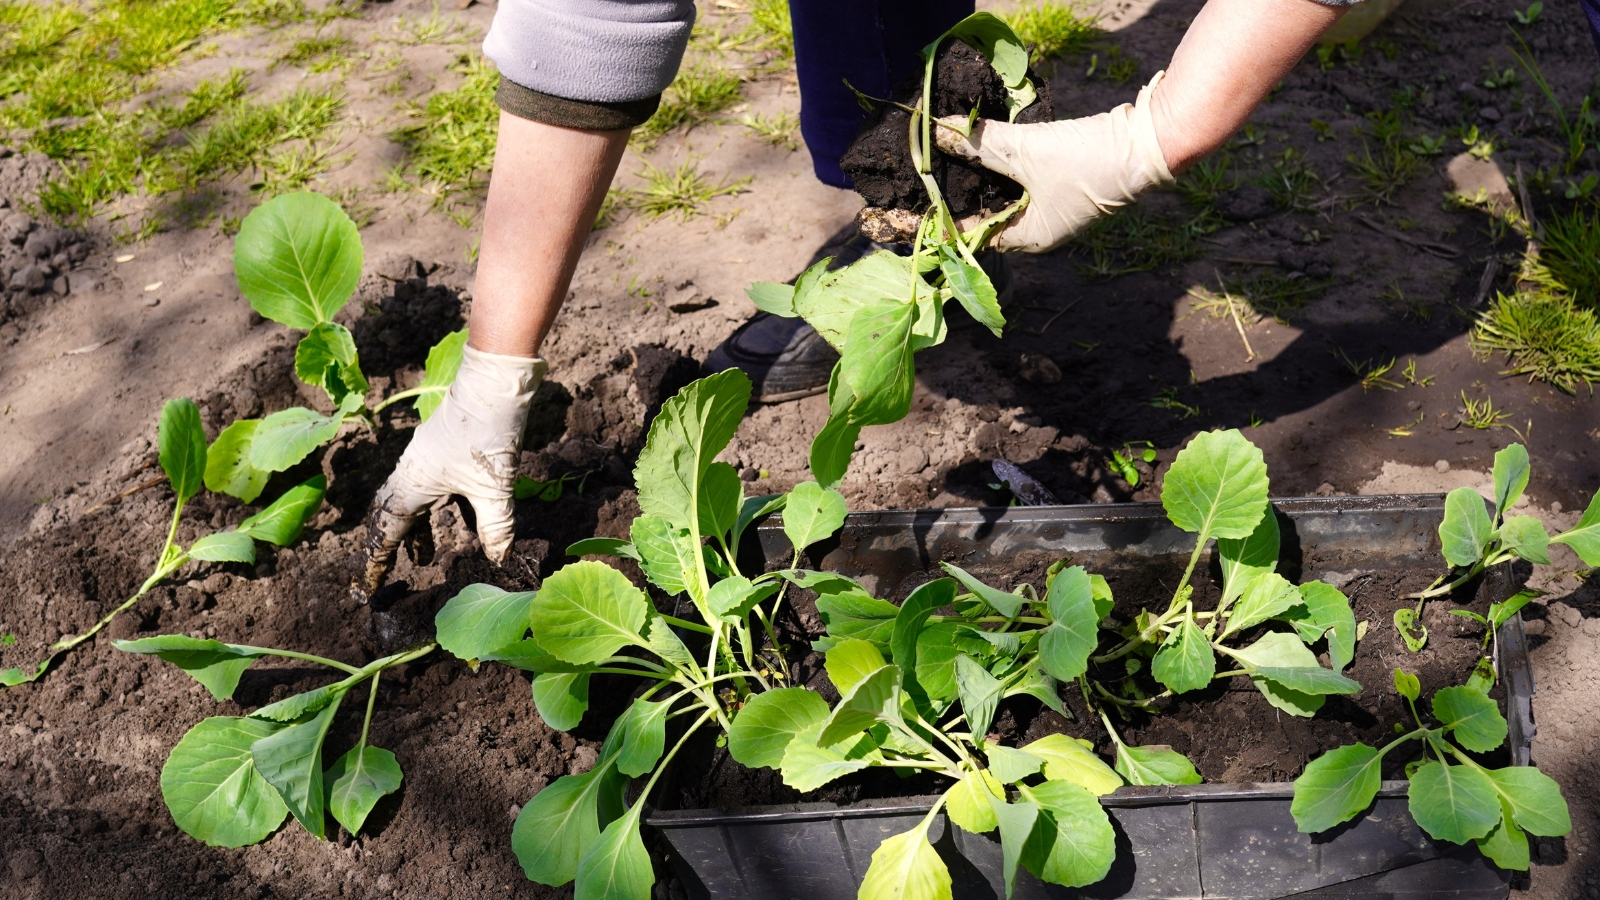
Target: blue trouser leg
[(872, 44)]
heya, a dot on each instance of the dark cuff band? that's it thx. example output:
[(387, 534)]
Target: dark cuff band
[(527, 103)]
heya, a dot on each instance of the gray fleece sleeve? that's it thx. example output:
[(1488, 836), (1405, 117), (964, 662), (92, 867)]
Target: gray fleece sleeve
[(590, 51)]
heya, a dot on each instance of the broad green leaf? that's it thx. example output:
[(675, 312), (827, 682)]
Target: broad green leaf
[(812, 513), (288, 436), (558, 825), (297, 706), (1466, 529), (1325, 610), (1156, 764), (1265, 597), (528, 656), (752, 509), (182, 444), (1016, 825), (967, 802), (1475, 719), (1217, 486), (1245, 558), (617, 867), (972, 287), (1506, 845), (692, 428), (603, 547), (1065, 759), (211, 786), (1070, 638), (876, 362), (849, 662), (214, 664), (1483, 676), (769, 721), (831, 450), (1335, 787), (909, 623), (357, 781), (1584, 537), (937, 648), (831, 302), (1535, 800), (1526, 535), (1073, 844), (993, 38), (1511, 470), (874, 698), (1185, 660), (481, 619), (1277, 650), (1011, 765), (228, 469), (721, 495), (291, 761), (588, 611), (644, 736), (1310, 679), (849, 614), (980, 694), (770, 297), (1038, 684), (1407, 685), (281, 523), (298, 259), (731, 599), (665, 643), (806, 766), (444, 361), (666, 554), (1453, 803), (1008, 604), (906, 867), (561, 698), (224, 546), (326, 358), (1501, 613), (1414, 633), (1104, 602)]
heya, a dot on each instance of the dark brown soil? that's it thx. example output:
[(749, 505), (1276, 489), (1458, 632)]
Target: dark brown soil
[(880, 159)]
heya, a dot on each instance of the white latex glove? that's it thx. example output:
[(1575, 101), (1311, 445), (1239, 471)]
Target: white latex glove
[(1075, 171), (470, 446)]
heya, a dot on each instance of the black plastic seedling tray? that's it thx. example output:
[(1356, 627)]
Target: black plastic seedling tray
[(1208, 841)]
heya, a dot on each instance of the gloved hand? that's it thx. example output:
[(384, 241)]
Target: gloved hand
[(470, 446), (1075, 171)]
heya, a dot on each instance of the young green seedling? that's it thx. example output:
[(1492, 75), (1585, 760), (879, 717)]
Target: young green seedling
[(231, 780), (879, 311), (298, 259), (182, 450), (589, 619), (1451, 795), (1474, 539)]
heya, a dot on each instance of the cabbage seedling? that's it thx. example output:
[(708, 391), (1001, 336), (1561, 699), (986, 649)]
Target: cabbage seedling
[(879, 311), (182, 449), (231, 780), (589, 619), (1452, 796), (1474, 538), (298, 259)]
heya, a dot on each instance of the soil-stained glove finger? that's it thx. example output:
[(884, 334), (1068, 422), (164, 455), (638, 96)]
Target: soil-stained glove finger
[(1075, 171), (469, 446)]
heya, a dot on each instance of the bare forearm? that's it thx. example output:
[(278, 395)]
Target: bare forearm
[(544, 192), (1228, 61)]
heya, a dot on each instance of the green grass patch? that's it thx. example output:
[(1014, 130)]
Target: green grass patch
[(319, 53), (772, 18), (682, 192), (695, 97), (1569, 258), (1543, 335), (1051, 29), (1138, 240), (452, 136)]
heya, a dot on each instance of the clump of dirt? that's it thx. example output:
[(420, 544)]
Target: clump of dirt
[(880, 159), (36, 258)]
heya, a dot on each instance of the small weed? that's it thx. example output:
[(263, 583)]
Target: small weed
[(1544, 336), (1576, 128), (1051, 29), (453, 136), (1167, 398), (1372, 375), (1425, 145), (1581, 190), (1409, 373), (1394, 297), (1135, 240), (1201, 185), (1569, 260), (430, 29), (1496, 79), (781, 130), (1384, 175), (694, 98), (7, 640), (682, 192), (1530, 15), (611, 209), (1481, 415), (1117, 67), (318, 54), (1122, 461), (772, 18), (1478, 147), (1293, 184), (1408, 429), (1322, 130)]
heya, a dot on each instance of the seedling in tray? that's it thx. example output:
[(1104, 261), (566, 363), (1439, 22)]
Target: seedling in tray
[(183, 455), (879, 311)]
